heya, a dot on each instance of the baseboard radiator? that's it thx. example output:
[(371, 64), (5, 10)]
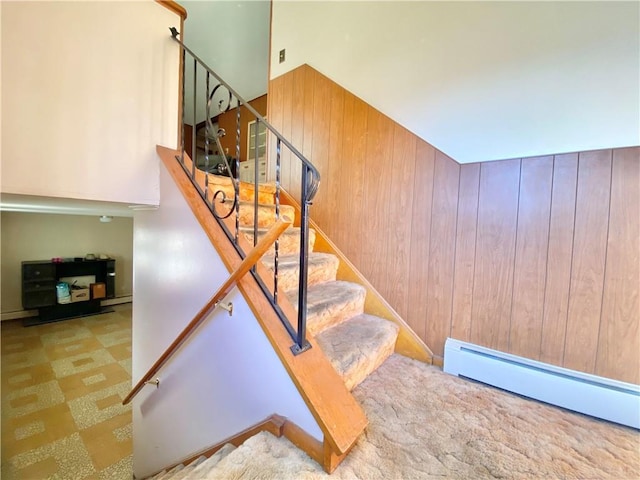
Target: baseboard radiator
[(599, 397)]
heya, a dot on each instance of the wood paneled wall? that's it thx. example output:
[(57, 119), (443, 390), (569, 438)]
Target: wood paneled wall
[(539, 257)]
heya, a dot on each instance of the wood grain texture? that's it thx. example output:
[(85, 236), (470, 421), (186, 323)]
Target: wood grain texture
[(321, 123), (175, 7), (506, 295), (561, 225), (332, 187), (495, 251), (399, 213), (336, 411), (530, 272), (588, 264), (228, 120), (465, 251), (619, 339), (421, 237), (444, 211), (377, 197), (353, 174)]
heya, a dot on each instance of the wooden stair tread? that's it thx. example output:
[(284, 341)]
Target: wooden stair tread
[(358, 346), (330, 303)]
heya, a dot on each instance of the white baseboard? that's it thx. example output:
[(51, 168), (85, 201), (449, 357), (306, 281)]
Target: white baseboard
[(18, 314), (599, 397)]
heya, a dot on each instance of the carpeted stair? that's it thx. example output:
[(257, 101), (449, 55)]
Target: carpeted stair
[(355, 343), (422, 422)]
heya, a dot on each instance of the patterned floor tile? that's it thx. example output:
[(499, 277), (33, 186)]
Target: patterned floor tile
[(104, 446), (66, 458), (27, 376), (81, 363), (90, 381), (30, 399), (62, 390), (92, 409)]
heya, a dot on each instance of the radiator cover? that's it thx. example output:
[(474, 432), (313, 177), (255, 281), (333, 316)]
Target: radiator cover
[(599, 397)]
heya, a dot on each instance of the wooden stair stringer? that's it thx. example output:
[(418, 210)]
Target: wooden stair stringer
[(338, 414), (409, 343)]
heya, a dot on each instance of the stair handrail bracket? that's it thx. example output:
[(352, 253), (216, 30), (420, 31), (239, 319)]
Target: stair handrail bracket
[(215, 301), (205, 156)]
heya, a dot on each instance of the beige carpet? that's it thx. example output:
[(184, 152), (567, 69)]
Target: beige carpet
[(62, 388), (426, 424)]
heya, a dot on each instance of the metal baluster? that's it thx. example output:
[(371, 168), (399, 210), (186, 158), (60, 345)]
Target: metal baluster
[(193, 129), (276, 245), (301, 344), (206, 145), (182, 142), (237, 174), (255, 186)]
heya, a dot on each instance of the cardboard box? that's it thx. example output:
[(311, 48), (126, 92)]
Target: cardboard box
[(98, 290), (79, 294)]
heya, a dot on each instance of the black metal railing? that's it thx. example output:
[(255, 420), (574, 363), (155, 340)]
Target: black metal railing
[(224, 98)]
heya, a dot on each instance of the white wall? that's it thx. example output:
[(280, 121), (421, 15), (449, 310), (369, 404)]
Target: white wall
[(227, 377), (479, 80), (39, 236), (88, 90), (233, 39)]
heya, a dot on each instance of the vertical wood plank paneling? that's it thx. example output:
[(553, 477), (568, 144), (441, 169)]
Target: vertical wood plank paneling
[(589, 252), (556, 298), (399, 218), (297, 127), (530, 272), (352, 181), (528, 255), (442, 251), (619, 341), (321, 122), (495, 251), (465, 251), (373, 227), (286, 155), (420, 237), (332, 206), (276, 106)]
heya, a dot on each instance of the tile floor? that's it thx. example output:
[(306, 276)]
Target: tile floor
[(62, 388)]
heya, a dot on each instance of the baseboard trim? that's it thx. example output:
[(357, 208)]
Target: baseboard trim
[(599, 397), (18, 314)]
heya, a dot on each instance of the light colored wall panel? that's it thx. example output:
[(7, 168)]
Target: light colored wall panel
[(84, 105), (479, 80), (39, 236)]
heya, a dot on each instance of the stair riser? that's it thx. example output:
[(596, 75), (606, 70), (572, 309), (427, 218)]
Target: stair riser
[(318, 272), (266, 214), (334, 314), (288, 243)]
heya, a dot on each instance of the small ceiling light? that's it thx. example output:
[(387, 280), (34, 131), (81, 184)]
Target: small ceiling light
[(105, 218)]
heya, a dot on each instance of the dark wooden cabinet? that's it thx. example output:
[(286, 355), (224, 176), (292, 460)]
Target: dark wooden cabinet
[(39, 279)]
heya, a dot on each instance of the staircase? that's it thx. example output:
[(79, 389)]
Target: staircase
[(355, 342)]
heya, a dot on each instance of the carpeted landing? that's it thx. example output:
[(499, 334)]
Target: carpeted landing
[(62, 388), (425, 424)]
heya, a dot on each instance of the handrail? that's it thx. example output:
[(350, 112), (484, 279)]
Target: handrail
[(271, 148), (314, 182), (249, 261)]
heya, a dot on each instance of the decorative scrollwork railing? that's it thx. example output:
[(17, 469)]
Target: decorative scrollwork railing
[(225, 99)]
